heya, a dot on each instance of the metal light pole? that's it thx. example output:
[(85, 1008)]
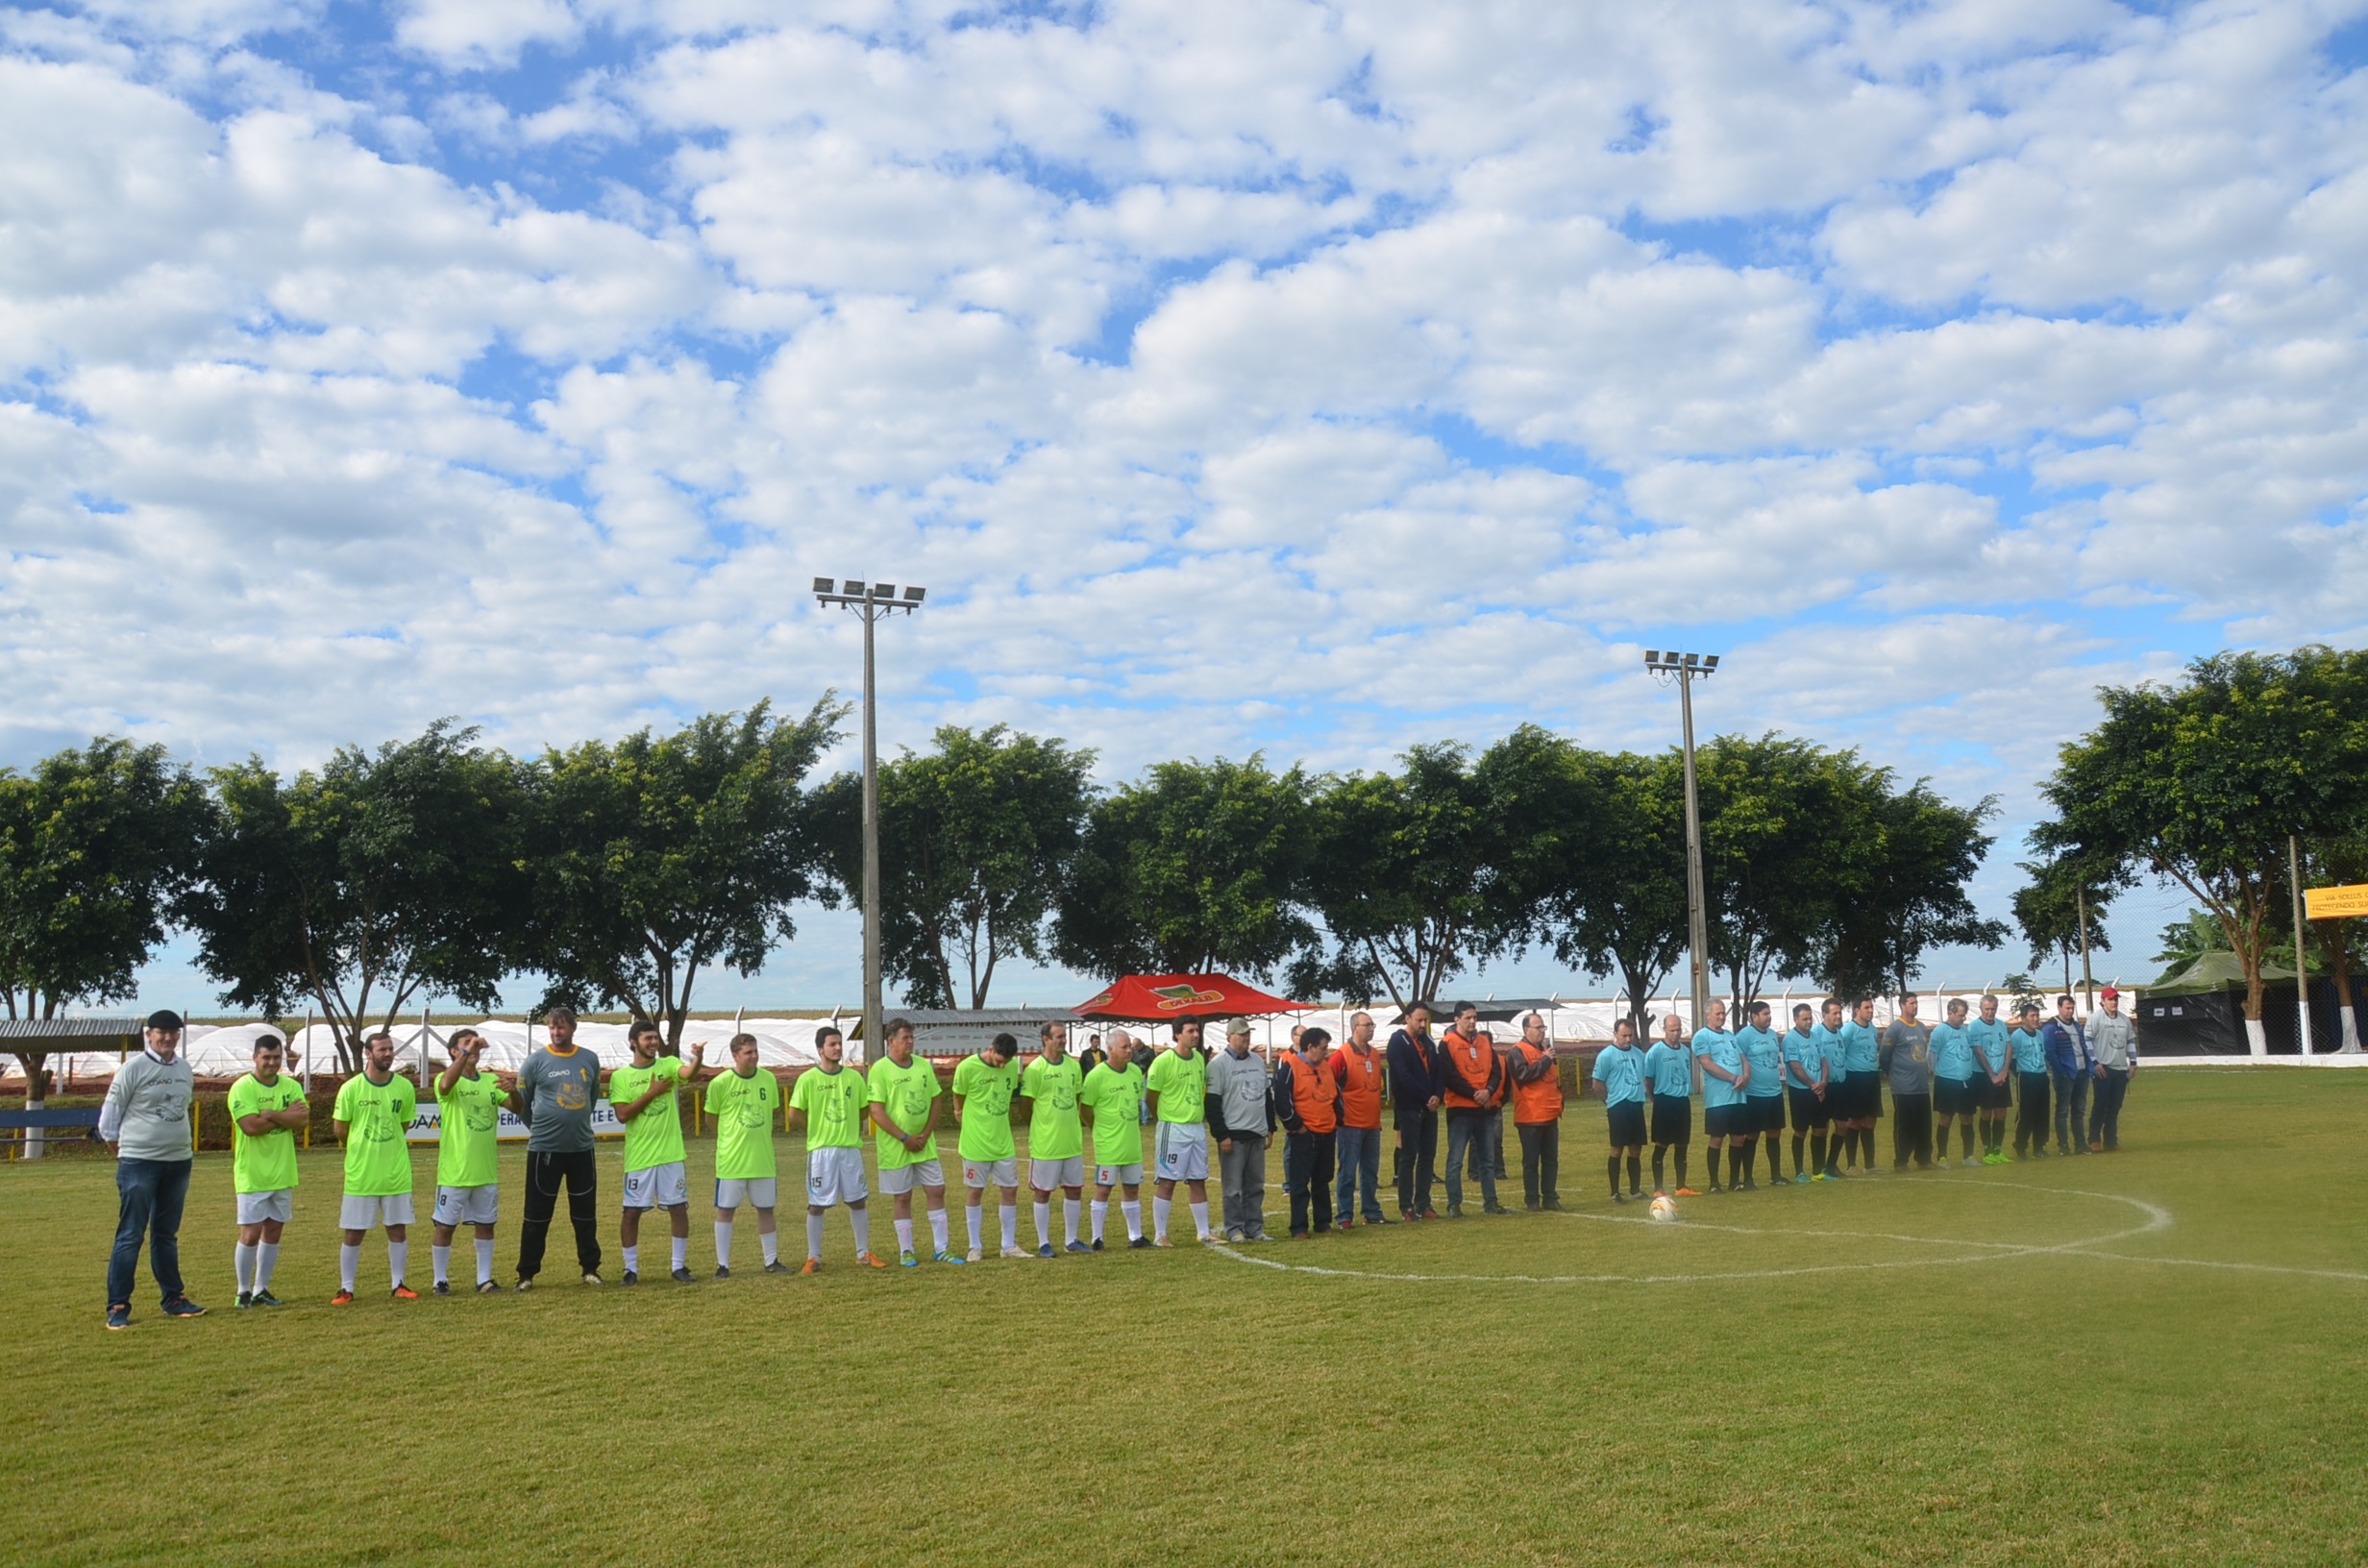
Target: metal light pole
[(1686, 669), (2302, 929), (873, 603)]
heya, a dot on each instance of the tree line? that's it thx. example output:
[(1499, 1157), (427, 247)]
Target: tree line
[(620, 871)]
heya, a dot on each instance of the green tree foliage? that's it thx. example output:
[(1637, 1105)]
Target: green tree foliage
[(1606, 894), (97, 845), (381, 878), (1194, 867), (654, 857), (1919, 854), (2203, 781), (976, 837), (2047, 910)]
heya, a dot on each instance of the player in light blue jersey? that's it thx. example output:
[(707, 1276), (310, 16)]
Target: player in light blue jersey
[(1620, 1070), (1668, 1077), (1764, 1097), (1993, 1082), (1862, 1058), (1806, 1092), (1722, 1089), (1837, 1093), (1953, 1093)]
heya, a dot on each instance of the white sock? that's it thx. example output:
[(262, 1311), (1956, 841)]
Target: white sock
[(349, 1264), (1201, 1218), (904, 1235), (440, 1259), (266, 1258), (1131, 1211), (1159, 1217), (484, 1262), (861, 1219), (681, 1251), (1044, 1222), (1011, 1226), (242, 1258), (1069, 1217), (722, 1244), (398, 1257), (814, 1236), (1101, 1212), (971, 1215), (769, 1242), (937, 1227), (632, 1257)]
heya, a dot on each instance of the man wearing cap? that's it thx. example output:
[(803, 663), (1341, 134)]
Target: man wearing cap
[(1241, 1118), (2113, 1041), (146, 1122), (2071, 1068)]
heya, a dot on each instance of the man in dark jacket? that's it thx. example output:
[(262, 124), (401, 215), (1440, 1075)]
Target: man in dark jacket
[(1414, 1098), (2071, 1065)]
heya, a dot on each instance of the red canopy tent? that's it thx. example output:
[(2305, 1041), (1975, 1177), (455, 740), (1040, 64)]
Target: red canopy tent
[(1164, 998)]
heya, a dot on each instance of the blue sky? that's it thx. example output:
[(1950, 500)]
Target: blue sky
[(1315, 379)]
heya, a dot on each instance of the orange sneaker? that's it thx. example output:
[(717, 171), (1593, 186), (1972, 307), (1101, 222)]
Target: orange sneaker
[(813, 1265), (404, 1293), (343, 1298), (868, 1258), (1688, 1192)]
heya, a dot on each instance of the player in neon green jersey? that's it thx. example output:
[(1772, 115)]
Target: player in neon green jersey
[(655, 1177), (467, 1160), (373, 1115), (904, 1092), (266, 1107), (1055, 1136), (829, 1102), (1178, 1086), (1112, 1100), (743, 1103), (983, 1086)]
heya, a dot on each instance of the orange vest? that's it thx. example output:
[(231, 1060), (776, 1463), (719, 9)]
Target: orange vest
[(1542, 1100), (1314, 1095), (1360, 1077), (1473, 1060)]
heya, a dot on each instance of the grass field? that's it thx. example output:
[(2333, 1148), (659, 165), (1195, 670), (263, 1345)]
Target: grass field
[(1996, 1366)]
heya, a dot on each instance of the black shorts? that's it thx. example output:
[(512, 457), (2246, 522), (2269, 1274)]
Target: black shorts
[(1955, 1098), (2034, 1086), (1810, 1113), (1722, 1120), (1997, 1096), (1672, 1118), (1767, 1112), (1865, 1095), (1627, 1120)]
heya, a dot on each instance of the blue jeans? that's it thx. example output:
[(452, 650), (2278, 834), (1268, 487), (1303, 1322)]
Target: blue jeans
[(2105, 1112), (1466, 1129), (2071, 1110), (1360, 1157), (151, 1194)]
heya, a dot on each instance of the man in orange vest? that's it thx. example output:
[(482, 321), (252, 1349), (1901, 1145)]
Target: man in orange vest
[(1475, 1083), (1360, 1070), (1307, 1100), (1537, 1114)]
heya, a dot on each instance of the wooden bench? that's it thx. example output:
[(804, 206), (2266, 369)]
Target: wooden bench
[(14, 1123)]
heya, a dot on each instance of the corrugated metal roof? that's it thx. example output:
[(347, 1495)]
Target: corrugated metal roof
[(16, 1031)]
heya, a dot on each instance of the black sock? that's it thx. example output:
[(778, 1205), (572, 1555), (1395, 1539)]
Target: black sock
[(1635, 1175), (1866, 1146), (1681, 1165), (1967, 1140), (1735, 1163), (1800, 1140), (1614, 1163), (1751, 1161), (1816, 1149), (1660, 1164)]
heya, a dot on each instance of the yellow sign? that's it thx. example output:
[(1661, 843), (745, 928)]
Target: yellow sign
[(2335, 903)]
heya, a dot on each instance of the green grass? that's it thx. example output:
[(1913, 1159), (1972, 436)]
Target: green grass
[(1181, 1407)]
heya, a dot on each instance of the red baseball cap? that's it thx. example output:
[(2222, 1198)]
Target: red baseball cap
[(2112, 991)]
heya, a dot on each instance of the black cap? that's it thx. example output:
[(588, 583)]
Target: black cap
[(164, 1018)]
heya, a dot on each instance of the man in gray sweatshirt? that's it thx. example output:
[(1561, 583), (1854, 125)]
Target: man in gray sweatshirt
[(146, 1121), (1240, 1120), (2112, 1042), (1906, 1060)]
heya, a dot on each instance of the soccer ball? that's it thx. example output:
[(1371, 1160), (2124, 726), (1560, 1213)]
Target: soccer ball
[(1664, 1212)]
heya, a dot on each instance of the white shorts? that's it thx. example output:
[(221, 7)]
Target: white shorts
[(894, 1179), (467, 1205), (991, 1172), (360, 1213), (254, 1208), (1181, 1150), (732, 1191), (657, 1186), (1043, 1175), (834, 1176), (1119, 1175)]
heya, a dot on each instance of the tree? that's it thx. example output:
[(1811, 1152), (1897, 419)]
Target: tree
[(381, 878), (654, 858), (96, 846), (1921, 852), (1196, 866), (1613, 901), (2049, 909), (2340, 860), (976, 843), (2203, 782)]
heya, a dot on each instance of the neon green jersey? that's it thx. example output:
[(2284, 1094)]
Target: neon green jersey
[(1182, 1084), (654, 1138), (1116, 1100), (1054, 1131), (468, 1148), (744, 1109), (833, 1104), (267, 1164), (906, 1093), (378, 1158), (985, 1093)]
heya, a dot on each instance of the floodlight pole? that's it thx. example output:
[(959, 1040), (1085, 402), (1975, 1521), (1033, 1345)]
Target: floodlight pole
[(1686, 669), (2301, 965)]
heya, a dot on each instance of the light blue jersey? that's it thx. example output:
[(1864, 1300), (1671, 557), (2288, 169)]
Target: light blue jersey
[(1620, 1070), (1718, 1046), (2030, 1051), (1989, 1046), (1831, 1047), (1670, 1068), (1862, 1049), (1767, 1061), (1952, 1052), (1804, 1060)]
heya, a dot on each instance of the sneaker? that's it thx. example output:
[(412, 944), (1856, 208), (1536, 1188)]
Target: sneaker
[(1751, 1185), (404, 1293), (343, 1298), (1259, 1237), (1407, 1217), (723, 1271), (1688, 1192), (631, 1277), (246, 1299), (907, 1260), (1345, 1225), (119, 1316), (2096, 1146), (1022, 1253), (182, 1307), (814, 1266), (1096, 1246), (1619, 1197), (1237, 1233), (870, 1259), (777, 1266), (1044, 1249), (264, 1298), (487, 1288), (1494, 1209), (683, 1276), (973, 1255), (442, 1287), (1076, 1246), (1138, 1243), (1455, 1211), (524, 1284), (1377, 1219), (1160, 1242), (592, 1276), (1835, 1174), (1210, 1238), (943, 1257), (1430, 1214)]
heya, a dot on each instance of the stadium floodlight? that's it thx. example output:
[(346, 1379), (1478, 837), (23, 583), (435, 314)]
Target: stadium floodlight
[(823, 585), (1652, 656), (1686, 669), (872, 605)]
